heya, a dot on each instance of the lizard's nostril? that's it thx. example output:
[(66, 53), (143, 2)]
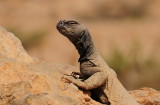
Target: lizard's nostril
[(61, 24)]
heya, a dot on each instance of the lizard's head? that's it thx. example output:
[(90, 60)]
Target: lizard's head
[(71, 29), (78, 34)]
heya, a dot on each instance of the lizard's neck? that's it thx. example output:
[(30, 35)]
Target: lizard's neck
[(85, 47)]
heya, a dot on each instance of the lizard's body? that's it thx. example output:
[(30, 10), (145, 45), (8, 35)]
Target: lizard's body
[(96, 74)]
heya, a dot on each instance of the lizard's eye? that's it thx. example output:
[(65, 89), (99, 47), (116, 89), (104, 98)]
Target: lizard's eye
[(72, 22)]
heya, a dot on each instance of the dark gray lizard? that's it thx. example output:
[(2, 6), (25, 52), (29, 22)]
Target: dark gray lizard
[(97, 77)]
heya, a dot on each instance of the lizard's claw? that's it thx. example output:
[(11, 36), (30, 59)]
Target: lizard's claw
[(66, 79), (75, 74)]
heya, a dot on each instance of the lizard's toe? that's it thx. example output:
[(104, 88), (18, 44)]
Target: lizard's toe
[(66, 78)]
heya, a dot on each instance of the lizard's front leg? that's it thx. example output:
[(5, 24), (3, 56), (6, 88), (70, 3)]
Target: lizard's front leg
[(94, 81)]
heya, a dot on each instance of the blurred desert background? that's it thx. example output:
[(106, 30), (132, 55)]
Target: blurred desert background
[(126, 33)]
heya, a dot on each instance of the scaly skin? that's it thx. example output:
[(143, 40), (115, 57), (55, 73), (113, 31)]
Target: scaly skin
[(97, 77)]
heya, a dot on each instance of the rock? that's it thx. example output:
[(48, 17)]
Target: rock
[(147, 96), (26, 81), (11, 47)]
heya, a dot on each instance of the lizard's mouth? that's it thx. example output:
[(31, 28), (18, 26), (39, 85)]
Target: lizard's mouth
[(62, 28)]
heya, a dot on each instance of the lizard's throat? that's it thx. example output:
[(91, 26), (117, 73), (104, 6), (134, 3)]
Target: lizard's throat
[(85, 46), (85, 52)]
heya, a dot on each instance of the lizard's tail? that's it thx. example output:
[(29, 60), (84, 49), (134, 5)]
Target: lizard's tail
[(117, 94)]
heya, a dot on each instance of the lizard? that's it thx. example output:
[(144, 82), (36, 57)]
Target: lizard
[(96, 75)]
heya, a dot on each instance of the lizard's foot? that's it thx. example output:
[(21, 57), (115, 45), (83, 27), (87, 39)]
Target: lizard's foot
[(70, 79), (67, 78), (76, 75)]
